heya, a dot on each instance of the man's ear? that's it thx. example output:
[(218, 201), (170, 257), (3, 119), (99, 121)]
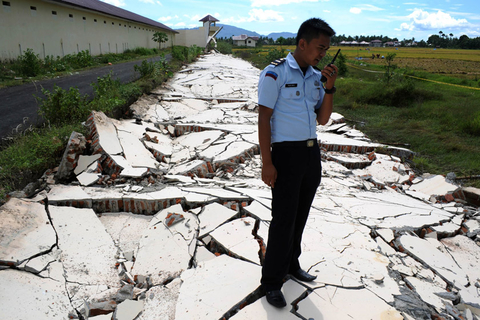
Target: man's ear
[(302, 43)]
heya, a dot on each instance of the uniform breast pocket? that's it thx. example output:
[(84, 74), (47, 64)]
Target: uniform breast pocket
[(290, 100), (291, 93), (315, 93)]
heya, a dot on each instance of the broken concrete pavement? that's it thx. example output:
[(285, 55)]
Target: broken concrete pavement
[(167, 218)]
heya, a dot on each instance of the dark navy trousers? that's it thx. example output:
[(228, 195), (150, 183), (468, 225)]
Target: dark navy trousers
[(298, 176)]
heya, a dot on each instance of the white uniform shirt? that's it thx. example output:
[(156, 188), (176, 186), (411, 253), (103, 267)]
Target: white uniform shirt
[(293, 98)]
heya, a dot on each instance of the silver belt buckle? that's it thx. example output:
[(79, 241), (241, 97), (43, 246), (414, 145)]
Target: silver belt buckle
[(310, 143)]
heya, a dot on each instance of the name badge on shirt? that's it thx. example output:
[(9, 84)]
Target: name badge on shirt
[(291, 85)]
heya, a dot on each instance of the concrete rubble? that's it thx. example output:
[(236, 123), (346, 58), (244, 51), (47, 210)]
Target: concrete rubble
[(165, 217)]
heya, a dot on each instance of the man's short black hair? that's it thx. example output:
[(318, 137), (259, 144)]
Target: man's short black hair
[(313, 28)]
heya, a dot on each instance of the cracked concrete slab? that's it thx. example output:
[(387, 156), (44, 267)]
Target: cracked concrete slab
[(87, 250), (237, 237), (384, 242), (261, 309), (215, 286), (161, 255), (332, 302), (25, 233), (26, 296)]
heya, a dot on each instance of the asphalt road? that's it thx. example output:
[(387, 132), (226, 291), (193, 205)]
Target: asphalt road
[(19, 108)]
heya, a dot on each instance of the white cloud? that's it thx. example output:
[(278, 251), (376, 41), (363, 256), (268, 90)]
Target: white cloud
[(257, 15), (196, 17), (159, 3), (355, 10), (365, 7), (165, 19), (147, 1), (180, 24), (423, 20), (116, 3), (327, 11), (260, 15), (270, 3)]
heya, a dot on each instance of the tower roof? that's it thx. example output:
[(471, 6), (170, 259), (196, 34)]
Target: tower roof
[(208, 18)]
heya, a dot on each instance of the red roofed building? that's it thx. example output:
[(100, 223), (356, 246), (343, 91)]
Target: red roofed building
[(244, 40)]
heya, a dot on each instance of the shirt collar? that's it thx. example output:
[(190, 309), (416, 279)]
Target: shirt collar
[(294, 65)]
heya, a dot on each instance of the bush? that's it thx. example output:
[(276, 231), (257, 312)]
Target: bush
[(186, 55), (62, 107), (274, 54), (143, 51), (341, 64), (30, 63), (224, 47), (179, 53), (30, 155), (107, 94), (109, 58), (145, 69), (52, 65), (80, 60)]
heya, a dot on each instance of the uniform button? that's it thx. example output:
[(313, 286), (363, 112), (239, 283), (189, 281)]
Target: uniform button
[(298, 93)]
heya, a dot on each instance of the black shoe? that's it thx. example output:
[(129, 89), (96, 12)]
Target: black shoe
[(276, 299), (303, 275)]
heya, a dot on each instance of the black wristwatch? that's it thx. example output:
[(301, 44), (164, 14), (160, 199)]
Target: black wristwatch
[(330, 91)]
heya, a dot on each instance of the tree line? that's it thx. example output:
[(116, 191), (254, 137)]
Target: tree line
[(440, 40)]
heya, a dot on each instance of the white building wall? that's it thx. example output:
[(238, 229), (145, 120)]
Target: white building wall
[(191, 37), (69, 31)]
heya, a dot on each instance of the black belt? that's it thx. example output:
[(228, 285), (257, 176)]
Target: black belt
[(305, 143)]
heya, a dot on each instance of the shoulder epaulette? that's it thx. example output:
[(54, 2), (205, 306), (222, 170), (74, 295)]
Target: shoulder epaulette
[(278, 61)]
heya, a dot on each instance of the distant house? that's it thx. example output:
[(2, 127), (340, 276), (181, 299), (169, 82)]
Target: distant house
[(354, 43), (244, 40), (392, 44), (376, 43), (61, 27), (201, 36)]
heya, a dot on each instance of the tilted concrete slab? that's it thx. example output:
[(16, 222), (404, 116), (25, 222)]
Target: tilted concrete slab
[(88, 251), (26, 232), (434, 185), (125, 229), (331, 302), (426, 250), (135, 152), (65, 195), (160, 302), (212, 216), (162, 253), (84, 162), (214, 287), (103, 129), (26, 296), (237, 237), (199, 140)]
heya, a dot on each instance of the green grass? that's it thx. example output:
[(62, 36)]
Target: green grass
[(31, 154), (432, 122)]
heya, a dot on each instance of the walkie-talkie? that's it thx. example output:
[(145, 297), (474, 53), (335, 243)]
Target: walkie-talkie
[(324, 79)]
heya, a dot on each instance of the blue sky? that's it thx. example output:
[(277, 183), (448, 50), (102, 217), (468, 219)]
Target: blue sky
[(401, 19)]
